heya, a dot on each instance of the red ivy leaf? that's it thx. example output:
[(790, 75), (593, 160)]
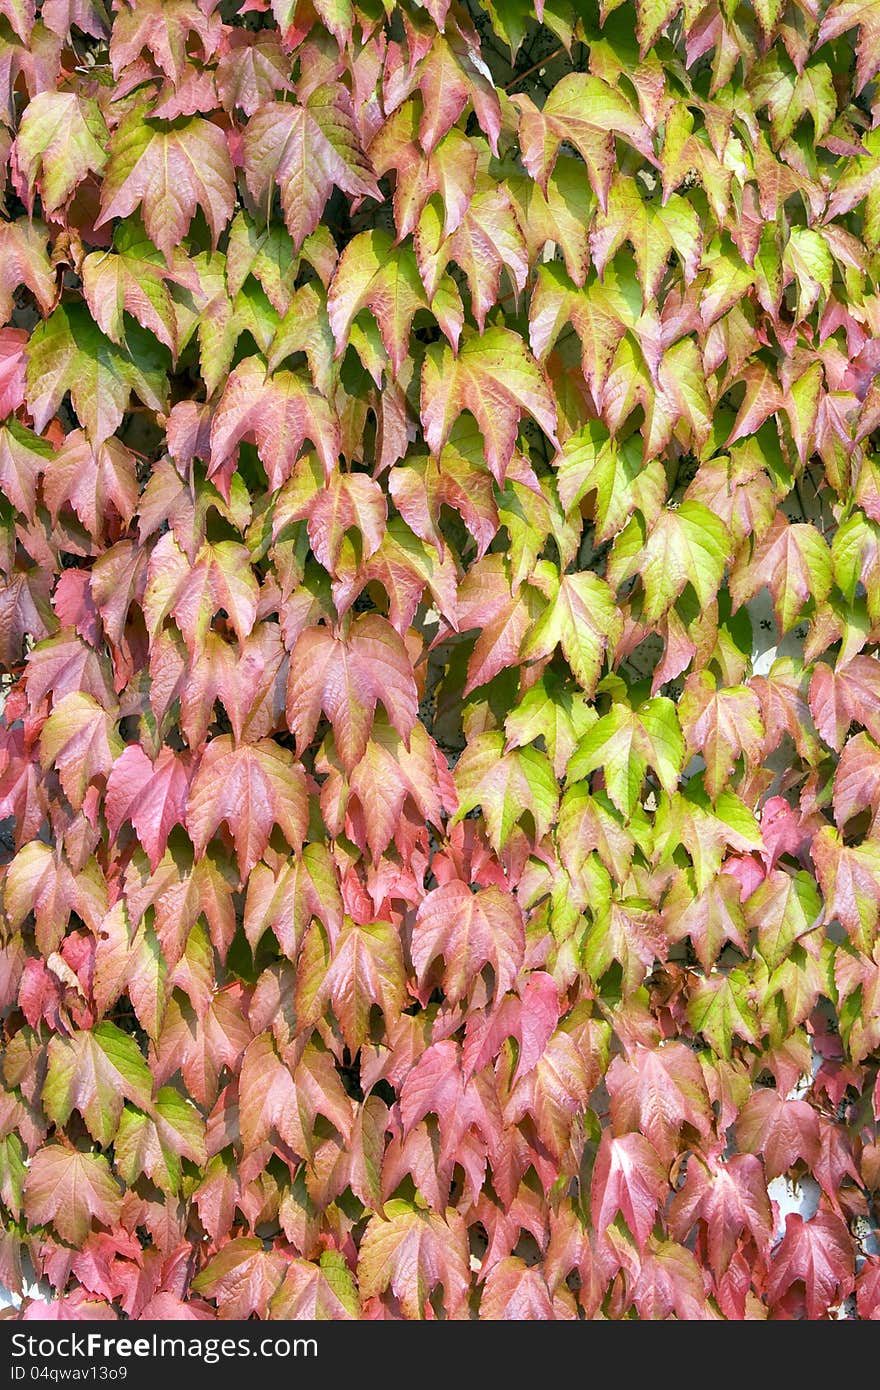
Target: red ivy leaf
[(346, 677), (70, 1190), (307, 150), (251, 788), (153, 796), (469, 930), (818, 1254), (629, 1177)]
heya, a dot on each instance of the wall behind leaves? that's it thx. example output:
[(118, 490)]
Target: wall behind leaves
[(418, 898)]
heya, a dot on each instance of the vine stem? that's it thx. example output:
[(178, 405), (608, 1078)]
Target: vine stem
[(542, 62)]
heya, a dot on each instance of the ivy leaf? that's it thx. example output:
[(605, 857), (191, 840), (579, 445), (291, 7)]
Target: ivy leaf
[(486, 241), (793, 561), (450, 171), (459, 480), (335, 14), (152, 796), (13, 342), (808, 258), (784, 908), (550, 711), (68, 352), (506, 786), (845, 693), (388, 783), (13, 1172), (286, 901), (670, 1283), (762, 398), (373, 273), (562, 215), (220, 577), (721, 1008), (622, 483), (867, 1290), (556, 1092), (494, 378), (709, 918), (629, 932), (768, 12), (530, 1017), (652, 231), (687, 546), (720, 725), (588, 823), (350, 501), (266, 251), (63, 137), (36, 882), (307, 151), (201, 1046), (625, 742), (581, 617), (469, 930), (251, 787), (81, 741), (857, 779), (778, 1129), (165, 28), (412, 1252), (515, 1291), (452, 76), (856, 554), (738, 490), (24, 260), (94, 1072), (168, 174), (154, 1143), (730, 1198), (21, 14), (273, 1097), (252, 688), (487, 601), (70, 1190), (785, 709), (363, 968), (324, 1291), (848, 877), (23, 457), (848, 14), (251, 70), (818, 1254), (346, 678), (88, 15), (653, 16), (467, 1111), (134, 279), (96, 480), (305, 328), (281, 411), (856, 979), (242, 1276), (629, 1177), (583, 111), (656, 1092)]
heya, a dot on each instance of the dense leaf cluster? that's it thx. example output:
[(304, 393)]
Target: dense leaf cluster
[(439, 607)]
